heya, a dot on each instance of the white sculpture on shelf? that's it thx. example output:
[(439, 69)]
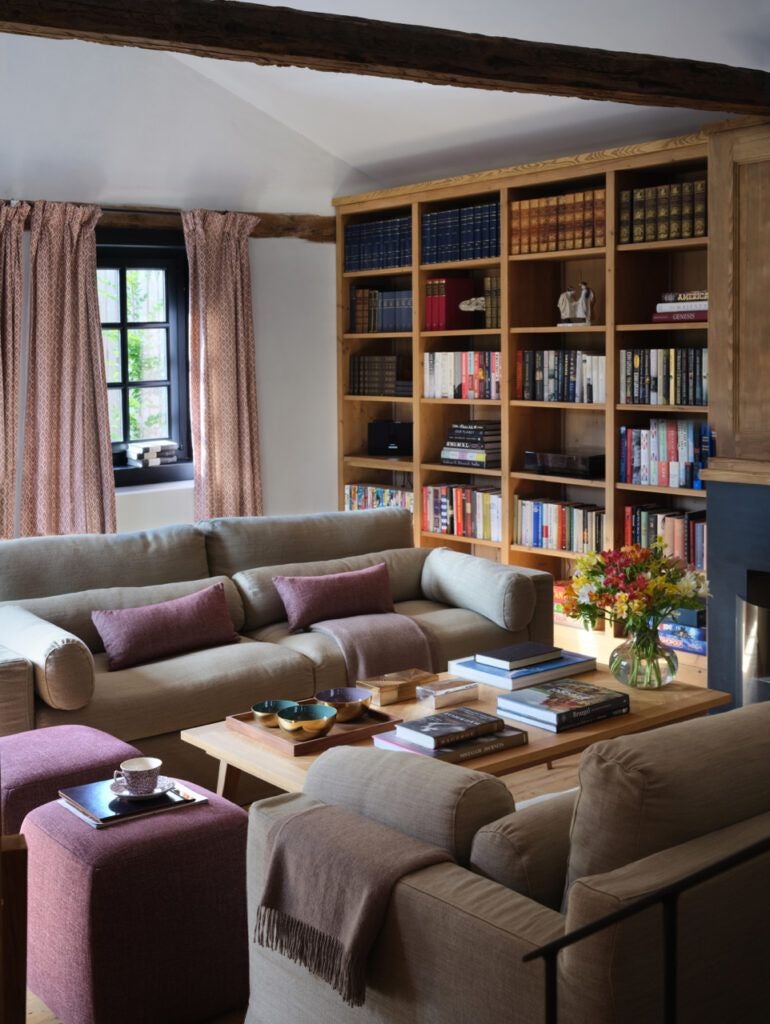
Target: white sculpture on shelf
[(574, 307)]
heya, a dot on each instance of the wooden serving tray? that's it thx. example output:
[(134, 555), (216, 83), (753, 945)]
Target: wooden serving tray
[(369, 724)]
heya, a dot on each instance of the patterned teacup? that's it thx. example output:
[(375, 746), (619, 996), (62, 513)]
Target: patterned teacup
[(139, 775)]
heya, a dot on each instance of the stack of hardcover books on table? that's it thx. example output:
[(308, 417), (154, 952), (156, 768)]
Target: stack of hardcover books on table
[(509, 668), (455, 736), (562, 704)]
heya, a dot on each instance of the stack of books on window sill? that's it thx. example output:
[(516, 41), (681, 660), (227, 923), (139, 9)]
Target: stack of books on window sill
[(151, 453)]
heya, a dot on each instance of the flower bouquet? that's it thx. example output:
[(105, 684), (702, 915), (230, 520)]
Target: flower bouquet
[(637, 587)]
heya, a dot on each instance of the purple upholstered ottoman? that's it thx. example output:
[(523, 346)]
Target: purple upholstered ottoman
[(35, 765), (140, 923)]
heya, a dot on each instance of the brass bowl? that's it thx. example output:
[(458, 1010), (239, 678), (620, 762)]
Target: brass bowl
[(266, 711), (309, 719), (348, 701)]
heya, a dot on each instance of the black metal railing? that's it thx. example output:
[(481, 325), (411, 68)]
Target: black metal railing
[(668, 897)]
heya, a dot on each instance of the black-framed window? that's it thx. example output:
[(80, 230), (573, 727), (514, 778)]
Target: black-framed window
[(143, 286)]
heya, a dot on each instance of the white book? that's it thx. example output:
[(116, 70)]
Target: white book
[(694, 305)]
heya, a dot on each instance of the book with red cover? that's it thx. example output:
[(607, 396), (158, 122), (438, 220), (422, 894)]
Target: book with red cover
[(685, 316)]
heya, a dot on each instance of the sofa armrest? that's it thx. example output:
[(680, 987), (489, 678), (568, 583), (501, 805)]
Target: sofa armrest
[(17, 693), (512, 597), (63, 666)]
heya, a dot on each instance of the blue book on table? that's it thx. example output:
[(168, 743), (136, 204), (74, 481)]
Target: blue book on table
[(568, 664)]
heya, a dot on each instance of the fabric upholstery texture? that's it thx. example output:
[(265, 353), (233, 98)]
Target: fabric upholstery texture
[(453, 802), (135, 636), (17, 693), (73, 611), (145, 921), (41, 566), (309, 599), (262, 601), (454, 632), (35, 765), (235, 544), (329, 668), (63, 665), (375, 644), (657, 789), (528, 851)]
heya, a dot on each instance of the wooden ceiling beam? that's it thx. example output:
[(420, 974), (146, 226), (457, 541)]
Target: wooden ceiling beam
[(227, 30)]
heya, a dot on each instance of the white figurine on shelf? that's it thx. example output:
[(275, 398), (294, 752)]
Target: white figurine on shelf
[(585, 303), (576, 309)]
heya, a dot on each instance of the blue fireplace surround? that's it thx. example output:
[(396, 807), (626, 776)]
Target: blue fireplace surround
[(738, 541)]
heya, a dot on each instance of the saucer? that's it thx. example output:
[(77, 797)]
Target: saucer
[(165, 785)]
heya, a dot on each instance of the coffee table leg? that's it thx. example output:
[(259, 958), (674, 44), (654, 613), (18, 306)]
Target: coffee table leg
[(227, 781)]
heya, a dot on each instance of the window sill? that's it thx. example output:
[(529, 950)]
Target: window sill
[(133, 476)]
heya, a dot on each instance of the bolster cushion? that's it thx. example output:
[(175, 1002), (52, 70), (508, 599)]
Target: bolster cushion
[(64, 666), (442, 804), (498, 592)]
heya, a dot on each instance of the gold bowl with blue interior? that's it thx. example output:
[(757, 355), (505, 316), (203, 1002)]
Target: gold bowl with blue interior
[(266, 711), (348, 701), (307, 719)]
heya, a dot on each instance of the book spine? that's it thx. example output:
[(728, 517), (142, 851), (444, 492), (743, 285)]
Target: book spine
[(638, 215), (624, 217), (650, 214), (600, 217)]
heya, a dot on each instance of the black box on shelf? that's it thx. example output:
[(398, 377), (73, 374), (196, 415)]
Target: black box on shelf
[(390, 437), (582, 465)]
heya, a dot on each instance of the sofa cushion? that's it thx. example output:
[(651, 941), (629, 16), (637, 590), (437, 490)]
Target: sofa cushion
[(498, 592), (455, 632), (188, 690), (262, 602), (237, 543), (134, 636), (644, 793), (329, 668), (439, 803), (528, 851), (73, 611), (309, 599), (41, 566)]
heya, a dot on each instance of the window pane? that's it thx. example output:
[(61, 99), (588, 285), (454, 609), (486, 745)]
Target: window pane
[(116, 414), (147, 354), (148, 413), (145, 295), (108, 287), (111, 341)]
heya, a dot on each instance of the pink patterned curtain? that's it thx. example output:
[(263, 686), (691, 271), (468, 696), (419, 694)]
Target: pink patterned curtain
[(223, 383), (12, 220), (67, 477)]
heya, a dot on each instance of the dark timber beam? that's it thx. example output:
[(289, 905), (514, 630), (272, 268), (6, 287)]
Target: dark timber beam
[(227, 30)]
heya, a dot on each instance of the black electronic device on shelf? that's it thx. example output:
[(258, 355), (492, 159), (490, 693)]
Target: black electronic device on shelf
[(390, 437), (580, 464)]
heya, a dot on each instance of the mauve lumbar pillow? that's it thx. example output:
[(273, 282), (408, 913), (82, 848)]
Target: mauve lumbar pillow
[(309, 599), (133, 636)]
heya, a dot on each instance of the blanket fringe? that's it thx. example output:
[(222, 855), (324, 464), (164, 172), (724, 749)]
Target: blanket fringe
[(322, 954)]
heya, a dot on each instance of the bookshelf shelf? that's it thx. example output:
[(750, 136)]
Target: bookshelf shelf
[(672, 245), (465, 333), (439, 467), (384, 272), (690, 409), (476, 541), (559, 254), (378, 462), (524, 403), (495, 403), (559, 329), (394, 399), (377, 334), (684, 492), (692, 325), (571, 481), (461, 264), (549, 552)]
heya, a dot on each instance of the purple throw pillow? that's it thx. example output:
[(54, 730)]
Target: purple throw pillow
[(133, 636), (309, 599)]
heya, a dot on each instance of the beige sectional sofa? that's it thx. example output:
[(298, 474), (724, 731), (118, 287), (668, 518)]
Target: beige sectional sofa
[(53, 669)]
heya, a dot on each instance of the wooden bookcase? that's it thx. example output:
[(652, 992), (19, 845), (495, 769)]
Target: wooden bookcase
[(627, 279)]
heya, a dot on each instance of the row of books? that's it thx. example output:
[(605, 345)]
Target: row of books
[(661, 212), (461, 375), (557, 525), (556, 223), (664, 376), (689, 639), (491, 301), (559, 376), (380, 375), (682, 307), (683, 533), (474, 445), (361, 496), (670, 453), (463, 511), (443, 296), (378, 244), (142, 454), (462, 233), (372, 309)]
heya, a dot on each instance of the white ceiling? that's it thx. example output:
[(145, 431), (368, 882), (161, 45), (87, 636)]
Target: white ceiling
[(397, 131)]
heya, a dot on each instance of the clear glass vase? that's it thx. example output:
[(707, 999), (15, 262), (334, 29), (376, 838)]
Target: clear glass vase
[(644, 662)]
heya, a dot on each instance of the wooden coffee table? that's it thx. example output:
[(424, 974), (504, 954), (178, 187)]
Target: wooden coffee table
[(650, 709)]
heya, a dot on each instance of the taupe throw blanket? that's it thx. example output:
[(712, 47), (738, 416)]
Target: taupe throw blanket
[(329, 880), (374, 644)]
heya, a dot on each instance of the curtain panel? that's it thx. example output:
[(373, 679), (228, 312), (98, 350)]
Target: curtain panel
[(67, 476), (12, 219), (223, 383)]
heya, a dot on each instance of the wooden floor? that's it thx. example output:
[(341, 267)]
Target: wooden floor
[(523, 785)]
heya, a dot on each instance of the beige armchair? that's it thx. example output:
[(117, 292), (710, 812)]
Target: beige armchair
[(651, 809)]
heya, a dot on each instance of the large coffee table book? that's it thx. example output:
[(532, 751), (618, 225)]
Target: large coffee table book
[(97, 805), (568, 664), (518, 655), (563, 704), (456, 753), (447, 727)]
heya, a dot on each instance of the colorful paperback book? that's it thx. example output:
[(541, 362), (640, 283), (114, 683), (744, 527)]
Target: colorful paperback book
[(97, 804), (518, 655), (447, 727), (563, 702), (455, 753), (568, 664)]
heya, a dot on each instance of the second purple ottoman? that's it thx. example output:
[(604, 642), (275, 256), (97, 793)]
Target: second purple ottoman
[(35, 765), (140, 923)]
